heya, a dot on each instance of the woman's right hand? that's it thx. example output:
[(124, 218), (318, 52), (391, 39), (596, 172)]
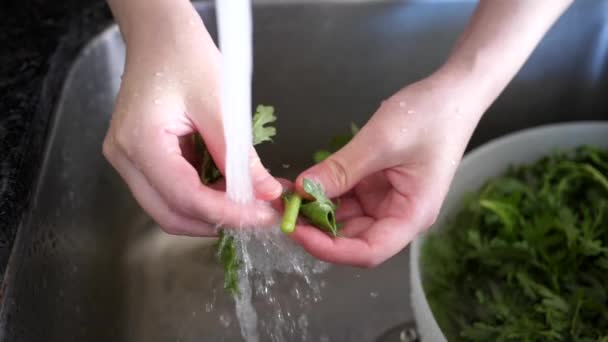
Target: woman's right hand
[(169, 92)]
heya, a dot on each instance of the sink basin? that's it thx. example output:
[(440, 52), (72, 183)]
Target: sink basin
[(89, 265)]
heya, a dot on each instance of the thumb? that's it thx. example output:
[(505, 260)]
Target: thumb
[(343, 170), (266, 187)]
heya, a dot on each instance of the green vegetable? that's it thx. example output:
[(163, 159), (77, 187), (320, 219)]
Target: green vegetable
[(292, 207), (526, 259), (320, 155), (321, 211), (226, 255), (226, 246), (207, 171), (336, 143), (263, 116)]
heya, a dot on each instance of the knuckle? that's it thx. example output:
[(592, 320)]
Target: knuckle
[(122, 140), (337, 172)]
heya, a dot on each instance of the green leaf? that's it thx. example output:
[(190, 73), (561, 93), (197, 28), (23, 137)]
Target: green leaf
[(320, 156), (226, 254), (264, 115), (321, 215), (315, 190), (321, 211)]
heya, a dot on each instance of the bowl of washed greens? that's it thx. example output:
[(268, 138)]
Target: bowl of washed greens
[(520, 249)]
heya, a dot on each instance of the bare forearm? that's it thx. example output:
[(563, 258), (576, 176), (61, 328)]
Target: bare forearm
[(149, 18), (498, 40)]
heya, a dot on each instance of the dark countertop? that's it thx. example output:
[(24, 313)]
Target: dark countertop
[(39, 39)]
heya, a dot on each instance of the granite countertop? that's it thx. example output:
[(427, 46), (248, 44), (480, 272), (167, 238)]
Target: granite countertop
[(39, 39)]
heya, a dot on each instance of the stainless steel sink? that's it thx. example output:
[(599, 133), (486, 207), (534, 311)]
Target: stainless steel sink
[(89, 265)]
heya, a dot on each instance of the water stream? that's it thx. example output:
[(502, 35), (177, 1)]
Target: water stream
[(263, 254)]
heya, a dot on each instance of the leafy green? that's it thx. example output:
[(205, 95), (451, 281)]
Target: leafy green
[(315, 190), (261, 131), (322, 211), (264, 115), (207, 171), (320, 156), (336, 143), (227, 256), (226, 246), (526, 259)]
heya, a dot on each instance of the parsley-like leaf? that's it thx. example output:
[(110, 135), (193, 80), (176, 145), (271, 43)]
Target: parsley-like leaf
[(263, 116)]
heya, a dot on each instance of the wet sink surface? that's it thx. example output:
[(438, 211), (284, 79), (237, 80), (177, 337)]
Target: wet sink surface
[(89, 265)]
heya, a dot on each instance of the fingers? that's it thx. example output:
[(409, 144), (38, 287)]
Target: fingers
[(177, 182), (169, 220), (375, 242), (266, 187), (348, 207)]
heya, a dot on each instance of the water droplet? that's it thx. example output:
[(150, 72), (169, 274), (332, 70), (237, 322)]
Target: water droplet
[(303, 321), (402, 104), (373, 294), (297, 293), (157, 101), (411, 111), (453, 162), (286, 166), (323, 283), (225, 320), (208, 307), (158, 74)]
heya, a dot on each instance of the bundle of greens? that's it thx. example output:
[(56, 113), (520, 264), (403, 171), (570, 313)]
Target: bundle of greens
[(526, 259)]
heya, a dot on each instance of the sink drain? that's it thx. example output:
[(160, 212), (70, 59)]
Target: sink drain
[(405, 332)]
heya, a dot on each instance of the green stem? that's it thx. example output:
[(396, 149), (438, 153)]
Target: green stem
[(292, 208)]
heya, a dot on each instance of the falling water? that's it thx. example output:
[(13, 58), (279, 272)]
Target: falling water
[(235, 38), (271, 251), (234, 24)]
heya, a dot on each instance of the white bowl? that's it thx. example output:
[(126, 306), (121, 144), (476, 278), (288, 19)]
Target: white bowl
[(485, 162)]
